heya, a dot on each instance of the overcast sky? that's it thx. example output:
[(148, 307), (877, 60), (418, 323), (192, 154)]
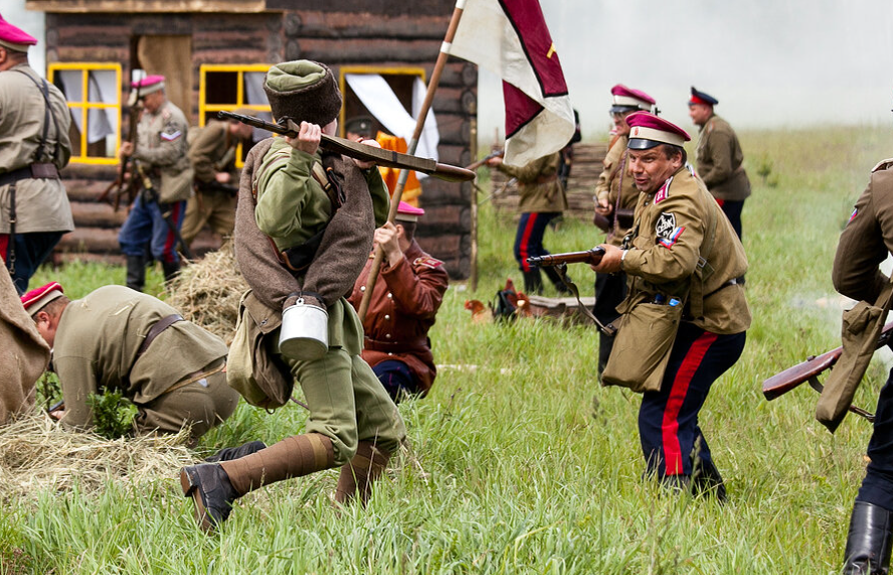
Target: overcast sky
[(769, 62)]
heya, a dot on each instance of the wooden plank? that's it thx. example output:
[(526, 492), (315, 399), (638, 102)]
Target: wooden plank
[(562, 307), (145, 6)]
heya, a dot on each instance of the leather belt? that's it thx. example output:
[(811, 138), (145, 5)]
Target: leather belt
[(34, 171), (395, 346)]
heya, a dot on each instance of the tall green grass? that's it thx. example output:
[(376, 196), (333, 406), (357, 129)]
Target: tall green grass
[(517, 461)]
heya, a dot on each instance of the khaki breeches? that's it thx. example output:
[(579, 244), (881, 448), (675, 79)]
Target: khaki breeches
[(217, 210)]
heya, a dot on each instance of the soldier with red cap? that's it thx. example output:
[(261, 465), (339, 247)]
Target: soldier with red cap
[(681, 251), (616, 197), (117, 339), (34, 146), (161, 154), (719, 157), (402, 308)]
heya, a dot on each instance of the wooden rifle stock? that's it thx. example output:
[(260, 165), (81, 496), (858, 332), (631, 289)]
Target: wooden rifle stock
[(118, 186), (592, 257), (809, 370), (386, 158)]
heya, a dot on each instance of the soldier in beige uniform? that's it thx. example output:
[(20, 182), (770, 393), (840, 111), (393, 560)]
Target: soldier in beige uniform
[(865, 243), (34, 146), (118, 339), (212, 153), (542, 200), (616, 196), (161, 155), (719, 157), (677, 225)]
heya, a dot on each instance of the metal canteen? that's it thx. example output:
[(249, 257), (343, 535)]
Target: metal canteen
[(305, 331)]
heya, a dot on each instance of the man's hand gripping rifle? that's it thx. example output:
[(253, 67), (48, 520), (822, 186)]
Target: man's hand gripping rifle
[(809, 370), (560, 261)]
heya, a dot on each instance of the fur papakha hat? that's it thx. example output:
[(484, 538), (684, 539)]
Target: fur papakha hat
[(304, 91)]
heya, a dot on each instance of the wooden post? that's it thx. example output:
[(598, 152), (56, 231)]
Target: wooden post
[(417, 133), (473, 278)]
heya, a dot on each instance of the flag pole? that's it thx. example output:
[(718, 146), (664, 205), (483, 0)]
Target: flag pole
[(416, 135)]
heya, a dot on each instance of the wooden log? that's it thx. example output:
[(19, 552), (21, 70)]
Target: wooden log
[(365, 51), (564, 308), (438, 192), (363, 24), (93, 240), (93, 215)]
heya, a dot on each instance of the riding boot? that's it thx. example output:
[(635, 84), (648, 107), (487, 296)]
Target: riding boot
[(533, 282), (230, 453), (171, 270), (868, 543), (136, 272), (708, 481), (555, 278), (358, 475)]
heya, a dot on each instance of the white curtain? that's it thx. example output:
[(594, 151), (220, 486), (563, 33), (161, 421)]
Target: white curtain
[(101, 87), (255, 95), (374, 92)]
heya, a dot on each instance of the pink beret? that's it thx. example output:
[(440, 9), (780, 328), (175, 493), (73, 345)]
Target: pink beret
[(408, 213), (36, 299), (626, 98), (651, 128), (15, 38)]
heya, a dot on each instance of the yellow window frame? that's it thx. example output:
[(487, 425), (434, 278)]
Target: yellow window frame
[(383, 70), (85, 106), (204, 107)]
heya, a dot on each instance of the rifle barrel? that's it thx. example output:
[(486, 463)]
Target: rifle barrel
[(593, 257)]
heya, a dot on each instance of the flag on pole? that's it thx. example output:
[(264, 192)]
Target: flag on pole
[(510, 38)]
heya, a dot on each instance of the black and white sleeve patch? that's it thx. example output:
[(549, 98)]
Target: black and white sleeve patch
[(666, 231)]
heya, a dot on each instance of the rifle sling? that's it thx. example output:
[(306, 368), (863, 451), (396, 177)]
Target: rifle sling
[(153, 332)]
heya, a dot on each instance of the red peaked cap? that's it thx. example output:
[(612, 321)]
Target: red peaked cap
[(647, 130), (36, 299), (621, 90), (15, 38)]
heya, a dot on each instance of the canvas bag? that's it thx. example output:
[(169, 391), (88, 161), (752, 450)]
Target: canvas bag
[(860, 331), (177, 182), (647, 332), (252, 369)]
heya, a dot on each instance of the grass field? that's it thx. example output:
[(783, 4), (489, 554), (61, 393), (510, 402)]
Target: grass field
[(518, 462)]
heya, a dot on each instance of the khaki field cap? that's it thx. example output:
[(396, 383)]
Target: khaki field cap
[(304, 91)]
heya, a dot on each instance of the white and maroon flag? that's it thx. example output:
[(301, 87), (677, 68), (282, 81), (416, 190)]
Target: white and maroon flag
[(510, 38)]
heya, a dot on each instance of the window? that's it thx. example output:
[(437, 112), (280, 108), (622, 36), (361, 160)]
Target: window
[(225, 87), (93, 93)]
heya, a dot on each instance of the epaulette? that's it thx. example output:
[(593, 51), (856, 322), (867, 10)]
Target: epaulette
[(710, 126), (883, 165), (427, 261)]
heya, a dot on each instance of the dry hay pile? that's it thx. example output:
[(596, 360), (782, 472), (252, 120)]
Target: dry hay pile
[(207, 292), (37, 454)]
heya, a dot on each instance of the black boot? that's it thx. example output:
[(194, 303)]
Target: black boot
[(533, 282), (211, 492), (555, 278), (708, 481), (868, 543), (230, 453), (171, 270), (136, 272)]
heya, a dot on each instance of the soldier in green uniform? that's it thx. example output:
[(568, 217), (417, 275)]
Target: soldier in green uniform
[(682, 251), (719, 157), (119, 339), (865, 243), (616, 196), (34, 146), (212, 152), (283, 205), (162, 156)]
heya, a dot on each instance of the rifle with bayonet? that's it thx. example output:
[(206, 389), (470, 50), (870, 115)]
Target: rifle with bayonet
[(122, 183), (591, 257), (809, 370), (152, 197), (386, 158)]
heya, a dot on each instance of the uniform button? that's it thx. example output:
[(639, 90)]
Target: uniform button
[(362, 288), (387, 336), (390, 294), (387, 316), (389, 353)]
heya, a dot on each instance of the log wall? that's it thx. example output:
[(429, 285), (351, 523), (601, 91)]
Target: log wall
[(344, 33)]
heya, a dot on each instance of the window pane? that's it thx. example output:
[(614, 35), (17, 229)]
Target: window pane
[(221, 87)]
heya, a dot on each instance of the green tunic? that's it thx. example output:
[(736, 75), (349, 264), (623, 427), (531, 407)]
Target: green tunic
[(615, 179), (720, 161), (97, 340)]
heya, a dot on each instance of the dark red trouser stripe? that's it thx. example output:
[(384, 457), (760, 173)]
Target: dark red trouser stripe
[(525, 242), (670, 424), (171, 242)]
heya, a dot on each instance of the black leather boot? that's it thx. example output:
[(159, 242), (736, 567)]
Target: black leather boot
[(868, 543), (533, 282), (708, 481), (170, 269), (230, 453), (555, 278), (136, 272), (211, 492)]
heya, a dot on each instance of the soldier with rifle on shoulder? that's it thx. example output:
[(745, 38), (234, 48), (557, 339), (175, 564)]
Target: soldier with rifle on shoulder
[(212, 152), (160, 159)]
